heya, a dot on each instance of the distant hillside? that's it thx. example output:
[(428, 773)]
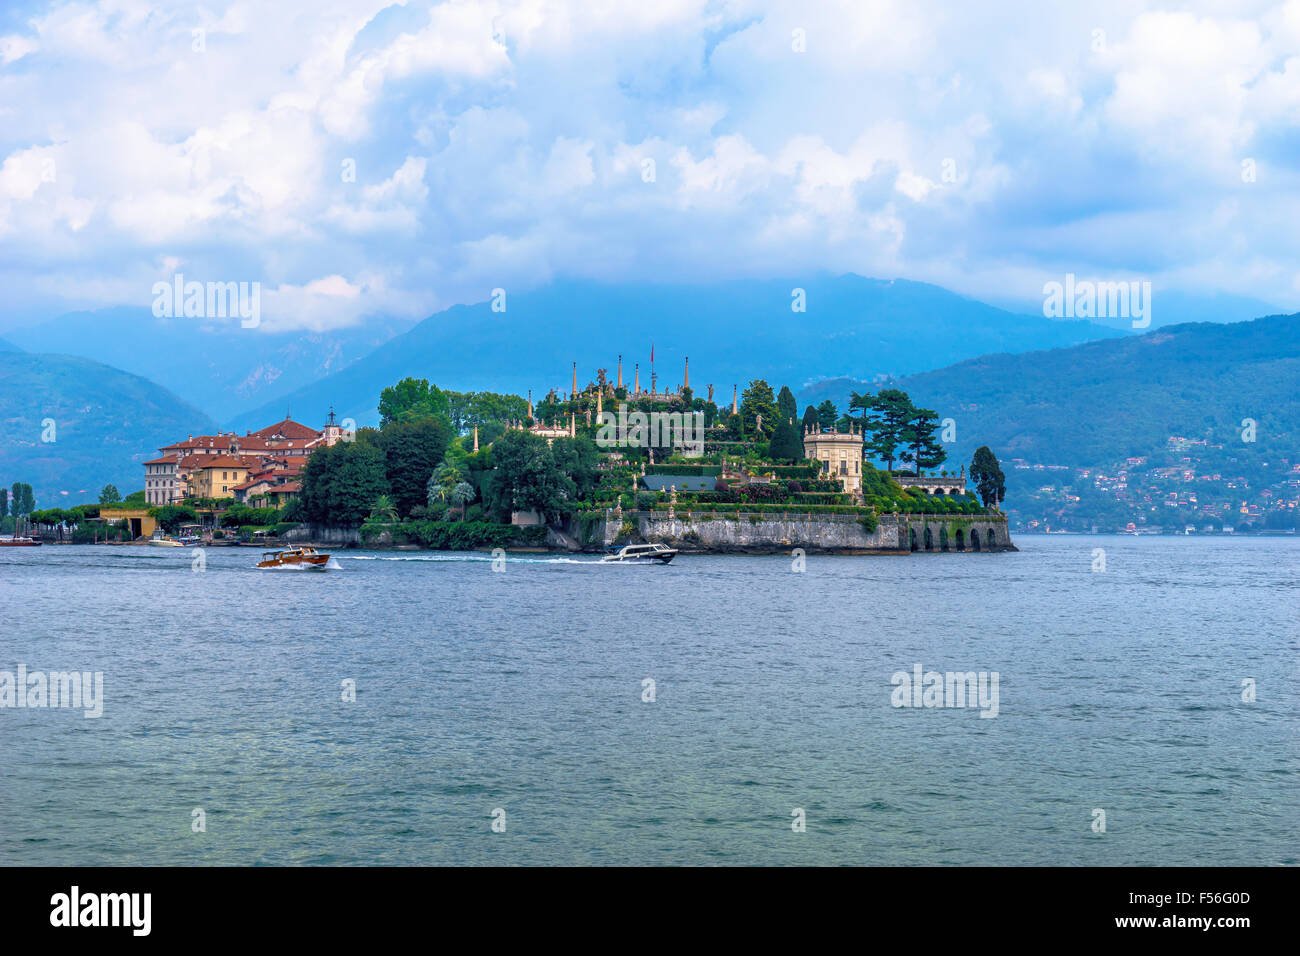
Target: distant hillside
[(106, 424), (8, 346), (1101, 402), (223, 369), (733, 331)]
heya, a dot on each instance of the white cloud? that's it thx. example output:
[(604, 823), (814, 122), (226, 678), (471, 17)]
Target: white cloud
[(501, 143)]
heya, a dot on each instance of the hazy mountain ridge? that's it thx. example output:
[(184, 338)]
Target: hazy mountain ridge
[(733, 331), (106, 424), (1104, 401), (220, 368)]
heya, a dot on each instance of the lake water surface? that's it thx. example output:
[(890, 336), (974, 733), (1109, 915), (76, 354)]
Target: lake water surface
[(522, 690)]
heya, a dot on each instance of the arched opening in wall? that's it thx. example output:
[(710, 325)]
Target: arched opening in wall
[(929, 539), (961, 542), (943, 537), (974, 540), (990, 537), (912, 533)]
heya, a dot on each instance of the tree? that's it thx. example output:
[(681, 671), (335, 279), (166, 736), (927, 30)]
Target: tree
[(110, 495), (786, 406), (861, 402), (412, 399), (735, 427), (810, 419), (412, 450), (341, 483), (923, 450), (468, 409), (4, 502), (889, 414), (527, 477), (787, 444), (171, 517), (461, 495), (579, 458), (444, 478), (383, 509), (758, 400), (986, 472), (827, 415), (136, 498)]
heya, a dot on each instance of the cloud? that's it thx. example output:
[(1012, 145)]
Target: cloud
[(362, 157)]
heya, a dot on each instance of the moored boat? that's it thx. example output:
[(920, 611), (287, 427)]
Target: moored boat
[(641, 554), (294, 557), (19, 542)]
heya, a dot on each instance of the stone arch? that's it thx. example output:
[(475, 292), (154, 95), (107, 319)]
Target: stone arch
[(974, 539), (990, 537), (929, 539), (943, 537), (912, 532), (961, 540)]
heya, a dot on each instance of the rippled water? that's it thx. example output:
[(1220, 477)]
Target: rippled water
[(522, 690)]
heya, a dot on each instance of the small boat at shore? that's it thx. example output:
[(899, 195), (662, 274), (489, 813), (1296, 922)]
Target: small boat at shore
[(19, 542), (642, 554), (166, 543), (308, 558)]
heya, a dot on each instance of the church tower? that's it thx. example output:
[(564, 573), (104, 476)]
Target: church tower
[(332, 432)]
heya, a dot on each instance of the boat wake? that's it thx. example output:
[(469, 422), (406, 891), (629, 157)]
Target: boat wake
[(331, 564), (512, 559)]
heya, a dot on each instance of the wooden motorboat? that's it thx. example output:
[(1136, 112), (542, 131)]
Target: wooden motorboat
[(299, 557)]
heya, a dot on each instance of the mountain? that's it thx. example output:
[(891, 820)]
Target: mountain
[(222, 368), (1175, 307), (735, 331), (105, 424), (8, 346), (1101, 402)]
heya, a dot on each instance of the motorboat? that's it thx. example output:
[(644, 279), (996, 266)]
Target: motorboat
[(18, 541), (308, 558), (642, 553)]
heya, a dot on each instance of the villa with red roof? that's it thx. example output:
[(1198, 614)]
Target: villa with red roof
[(261, 466)]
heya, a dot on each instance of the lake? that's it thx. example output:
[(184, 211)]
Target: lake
[(523, 696)]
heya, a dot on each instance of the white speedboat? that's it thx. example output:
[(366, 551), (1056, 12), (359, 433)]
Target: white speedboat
[(165, 543), (642, 553)]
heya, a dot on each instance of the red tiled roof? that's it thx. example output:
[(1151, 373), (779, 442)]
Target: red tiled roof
[(219, 461), (286, 429), (164, 460)]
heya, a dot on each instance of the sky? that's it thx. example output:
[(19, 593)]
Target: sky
[(370, 158)]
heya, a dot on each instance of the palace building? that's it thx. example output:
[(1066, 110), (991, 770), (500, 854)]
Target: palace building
[(267, 463), (840, 454)]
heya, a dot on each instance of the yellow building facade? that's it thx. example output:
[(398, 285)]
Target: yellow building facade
[(217, 478)]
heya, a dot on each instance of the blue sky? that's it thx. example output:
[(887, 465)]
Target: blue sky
[(989, 148)]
